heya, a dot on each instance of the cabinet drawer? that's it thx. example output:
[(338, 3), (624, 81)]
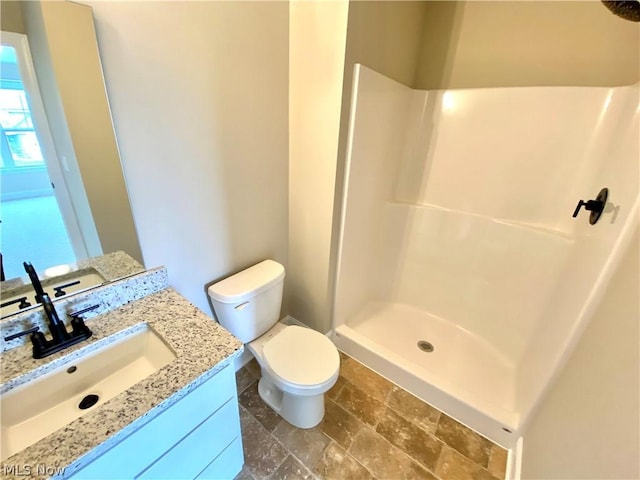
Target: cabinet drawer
[(140, 449), (227, 465), (194, 452)]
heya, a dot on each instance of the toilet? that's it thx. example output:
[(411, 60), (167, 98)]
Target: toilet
[(298, 364)]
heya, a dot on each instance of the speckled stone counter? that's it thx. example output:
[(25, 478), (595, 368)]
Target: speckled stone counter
[(105, 269), (202, 348), (110, 266), (106, 297)]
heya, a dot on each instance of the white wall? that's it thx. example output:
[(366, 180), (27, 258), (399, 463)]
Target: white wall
[(587, 426), (317, 33), (198, 92), (506, 153)]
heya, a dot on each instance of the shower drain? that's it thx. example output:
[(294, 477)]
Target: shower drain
[(425, 346)]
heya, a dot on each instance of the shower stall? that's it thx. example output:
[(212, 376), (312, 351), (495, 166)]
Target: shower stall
[(462, 274)]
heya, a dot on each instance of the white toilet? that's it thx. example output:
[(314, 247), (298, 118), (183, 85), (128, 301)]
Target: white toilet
[(298, 364)]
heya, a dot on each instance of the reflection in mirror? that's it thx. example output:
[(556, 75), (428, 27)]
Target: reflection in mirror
[(80, 152), (18, 294), (38, 222)]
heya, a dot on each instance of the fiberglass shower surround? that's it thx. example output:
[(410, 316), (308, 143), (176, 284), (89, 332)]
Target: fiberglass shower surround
[(457, 231)]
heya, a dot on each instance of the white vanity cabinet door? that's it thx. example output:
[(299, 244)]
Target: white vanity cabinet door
[(225, 465), (193, 453), (205, 420)]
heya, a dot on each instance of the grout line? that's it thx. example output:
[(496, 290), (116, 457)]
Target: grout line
[(386, 405)]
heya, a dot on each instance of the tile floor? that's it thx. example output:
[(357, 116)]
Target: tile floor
[(372, 429)]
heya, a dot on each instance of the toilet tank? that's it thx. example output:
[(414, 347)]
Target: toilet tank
[(248, 303)]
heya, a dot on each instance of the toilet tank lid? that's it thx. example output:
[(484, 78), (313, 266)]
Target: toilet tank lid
[(247, 283)]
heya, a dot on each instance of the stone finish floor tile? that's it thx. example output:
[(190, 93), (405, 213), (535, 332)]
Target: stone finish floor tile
[(339, 425), (363, 406), (498, 462), (411, 439), (244, 474), (247, 375), (454, 466), (335, 390), (250, 399), (367, 380), (306, 444), (413, 409), (292, 469), (384, 460), (262, 452), (464, 440), (372, 430), (337, 464)]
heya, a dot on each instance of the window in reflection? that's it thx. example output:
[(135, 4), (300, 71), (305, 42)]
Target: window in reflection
[(32, 227)]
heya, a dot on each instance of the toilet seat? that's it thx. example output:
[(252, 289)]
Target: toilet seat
[(302, 359)]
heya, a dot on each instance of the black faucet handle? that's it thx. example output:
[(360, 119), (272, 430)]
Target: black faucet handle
[(79, 328), (81, 312), (21, 334), (60, 288), (38, 342), (77, 322), (24, 303)]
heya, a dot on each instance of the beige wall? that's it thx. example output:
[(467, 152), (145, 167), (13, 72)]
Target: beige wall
[(525, 43), (199, 95), (587, 426), (317, 32), (386, 37), (11, 19)]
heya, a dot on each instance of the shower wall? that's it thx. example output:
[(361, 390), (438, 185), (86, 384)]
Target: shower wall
[(597, 250), (459, 203)]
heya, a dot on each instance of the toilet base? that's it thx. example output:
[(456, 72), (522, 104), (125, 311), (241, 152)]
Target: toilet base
[(300, 411)]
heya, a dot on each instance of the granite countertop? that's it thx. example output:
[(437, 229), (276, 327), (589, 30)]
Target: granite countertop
[(105, 269), (202, 348), (110, 266)]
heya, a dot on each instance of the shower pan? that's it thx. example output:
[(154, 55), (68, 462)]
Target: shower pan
[(462, 274)]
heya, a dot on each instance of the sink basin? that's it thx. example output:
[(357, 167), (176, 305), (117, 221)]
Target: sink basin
[(73, 282), (35, 409)]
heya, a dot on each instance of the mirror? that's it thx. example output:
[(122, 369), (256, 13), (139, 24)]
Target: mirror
[(62, 41)]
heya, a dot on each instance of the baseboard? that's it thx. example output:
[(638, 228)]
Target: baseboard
[(289, 320)]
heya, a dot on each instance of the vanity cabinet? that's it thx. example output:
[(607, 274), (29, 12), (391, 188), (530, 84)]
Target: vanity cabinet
[(198, 437)]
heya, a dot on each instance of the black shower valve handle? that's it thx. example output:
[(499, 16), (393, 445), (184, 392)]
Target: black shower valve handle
[(591, 205), (596, 206)]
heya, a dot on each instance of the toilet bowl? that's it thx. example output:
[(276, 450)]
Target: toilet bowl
[(298, 365)]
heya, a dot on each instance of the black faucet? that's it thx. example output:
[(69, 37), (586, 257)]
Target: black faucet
[(35, 281), (60, 337)]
